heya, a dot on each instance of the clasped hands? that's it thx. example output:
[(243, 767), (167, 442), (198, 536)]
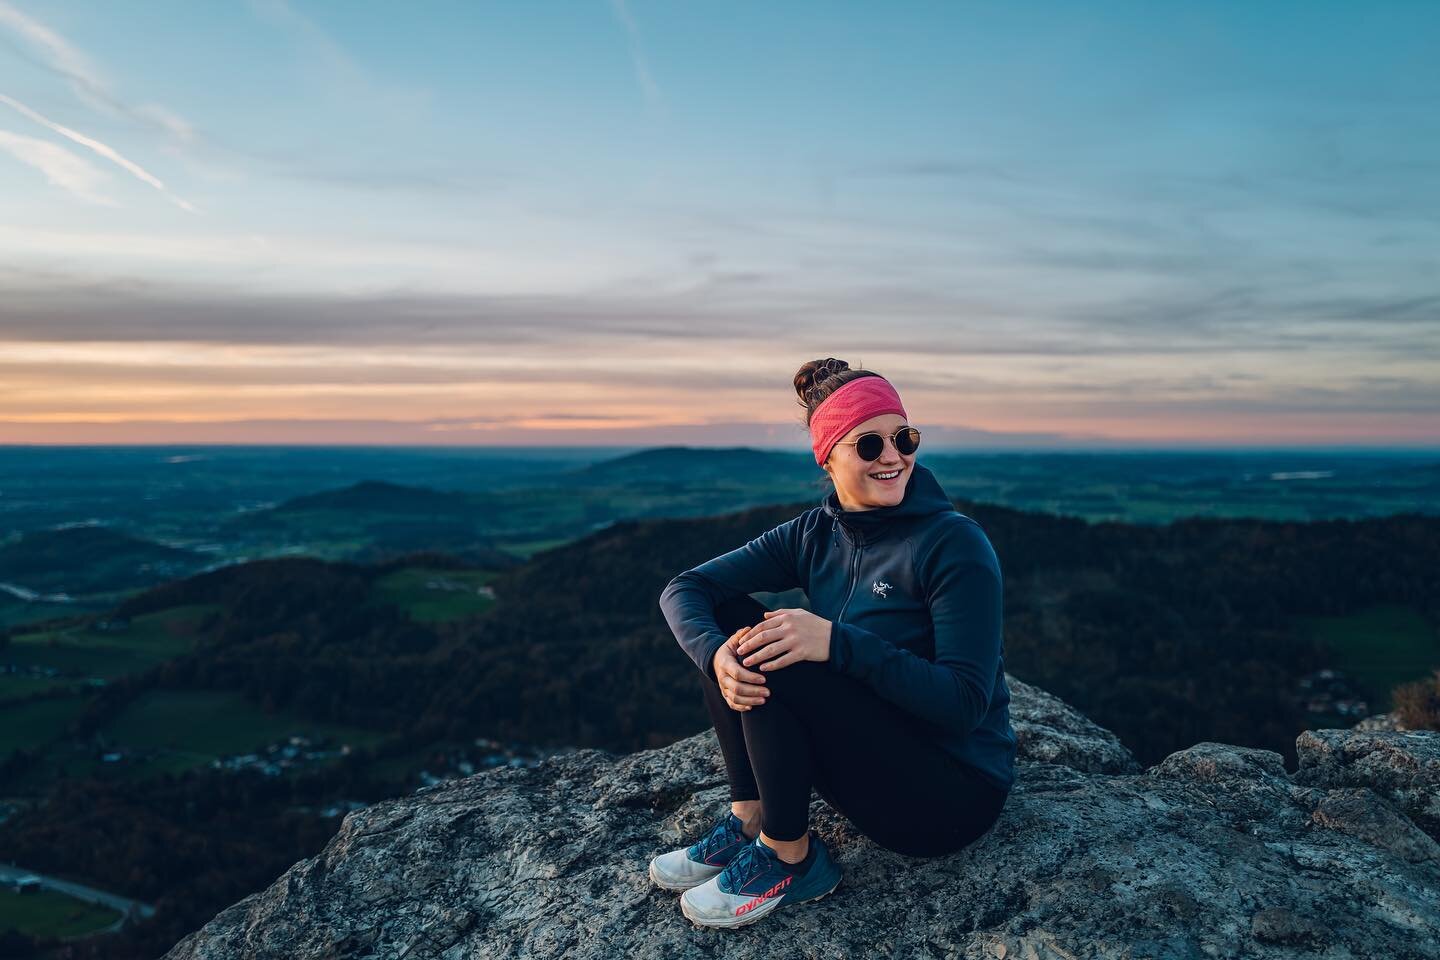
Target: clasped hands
[(783, 637)]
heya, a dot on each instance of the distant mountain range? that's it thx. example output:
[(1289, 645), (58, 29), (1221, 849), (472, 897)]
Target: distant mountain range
[(203, 509), (87, 559)]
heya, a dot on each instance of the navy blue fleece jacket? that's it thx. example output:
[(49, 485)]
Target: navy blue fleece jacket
[(915, 598)]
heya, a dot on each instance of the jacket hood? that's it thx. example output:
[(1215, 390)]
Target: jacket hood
[(923, 497)]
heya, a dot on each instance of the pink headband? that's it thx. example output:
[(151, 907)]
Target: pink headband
[(852, 404)]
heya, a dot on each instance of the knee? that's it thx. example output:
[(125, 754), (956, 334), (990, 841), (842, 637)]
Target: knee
[(796, 679), (737, 612)]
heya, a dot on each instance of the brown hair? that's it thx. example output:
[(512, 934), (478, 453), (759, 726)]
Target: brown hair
[(818, 379)]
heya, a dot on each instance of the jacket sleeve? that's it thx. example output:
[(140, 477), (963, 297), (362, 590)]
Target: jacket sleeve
[(965, 593), (770, 563)]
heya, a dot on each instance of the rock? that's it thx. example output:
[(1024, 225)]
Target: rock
[(1360, 812), (1380, 721), (1050, 730), (1213, 852), (1279, 926), (1402, 766)]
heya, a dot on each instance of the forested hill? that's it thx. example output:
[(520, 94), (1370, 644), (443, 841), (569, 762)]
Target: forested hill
[(1165, 634)]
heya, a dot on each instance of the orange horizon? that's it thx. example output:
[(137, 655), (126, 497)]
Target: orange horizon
[(1359, 430)]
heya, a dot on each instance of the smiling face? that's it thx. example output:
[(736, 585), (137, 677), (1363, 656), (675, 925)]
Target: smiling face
[(855, 486)]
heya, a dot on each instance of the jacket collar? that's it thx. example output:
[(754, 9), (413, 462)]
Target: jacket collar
[(923, 497)]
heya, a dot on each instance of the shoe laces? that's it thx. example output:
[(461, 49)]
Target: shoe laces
[(722, 835), (749, 862)]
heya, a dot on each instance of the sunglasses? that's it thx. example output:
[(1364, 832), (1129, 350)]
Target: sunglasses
[(869, 446)]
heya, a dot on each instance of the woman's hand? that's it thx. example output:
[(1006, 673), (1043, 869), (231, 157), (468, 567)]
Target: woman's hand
[(741, 688), (785, 636)]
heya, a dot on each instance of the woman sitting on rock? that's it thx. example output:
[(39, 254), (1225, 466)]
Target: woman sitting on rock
[(888, 696)]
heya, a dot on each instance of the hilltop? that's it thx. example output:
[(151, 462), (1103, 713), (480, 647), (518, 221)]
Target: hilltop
[(1215, 851)]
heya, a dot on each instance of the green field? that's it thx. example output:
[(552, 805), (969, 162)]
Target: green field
[(1381, 648), (51, 914), (37, 723), (407, 589), (162, 731), (175, 730), (193, 727), (81, 653), (18, 687)]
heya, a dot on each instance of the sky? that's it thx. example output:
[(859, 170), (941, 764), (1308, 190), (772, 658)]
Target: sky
[(616, 222)]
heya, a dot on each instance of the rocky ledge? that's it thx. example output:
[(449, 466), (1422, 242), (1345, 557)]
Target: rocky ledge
[(1216, 851)]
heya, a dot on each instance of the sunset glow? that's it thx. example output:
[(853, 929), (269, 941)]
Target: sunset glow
[(574, 227)]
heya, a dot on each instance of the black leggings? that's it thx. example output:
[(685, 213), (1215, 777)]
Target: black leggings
[(866, 757)]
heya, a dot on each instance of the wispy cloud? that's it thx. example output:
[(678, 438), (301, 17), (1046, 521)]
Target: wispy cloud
[(61, 167), (104, 150), (60, 56), (317, 42), (638, 60)]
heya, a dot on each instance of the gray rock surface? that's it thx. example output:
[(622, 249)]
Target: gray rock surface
[(1380, 721), (1214, 852), (1400, 765)]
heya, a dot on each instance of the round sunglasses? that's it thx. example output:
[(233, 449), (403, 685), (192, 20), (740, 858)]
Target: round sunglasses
[(869, 446)]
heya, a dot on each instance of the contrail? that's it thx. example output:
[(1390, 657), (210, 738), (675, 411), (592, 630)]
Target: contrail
[(65, 59), (104, 150), (637, 51)]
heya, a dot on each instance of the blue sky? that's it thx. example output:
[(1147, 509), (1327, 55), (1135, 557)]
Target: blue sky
[(620, 222)]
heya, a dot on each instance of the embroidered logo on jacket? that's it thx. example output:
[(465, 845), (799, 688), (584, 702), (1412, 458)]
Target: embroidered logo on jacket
[(880, 587)]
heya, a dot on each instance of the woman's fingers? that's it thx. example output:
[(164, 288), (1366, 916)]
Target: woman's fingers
[(739, 672), (740, 694), (790, 656), (749, 692), (758, 638), (769, 651), (737, 701)]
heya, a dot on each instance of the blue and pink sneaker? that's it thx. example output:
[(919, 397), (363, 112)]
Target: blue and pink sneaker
[(702, 860), (756, 882)]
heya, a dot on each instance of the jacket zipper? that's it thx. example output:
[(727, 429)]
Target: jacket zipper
[(854, 579)]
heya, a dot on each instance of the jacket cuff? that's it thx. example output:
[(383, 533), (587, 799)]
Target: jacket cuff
[(858, 648), (840, 651), (707, 667)]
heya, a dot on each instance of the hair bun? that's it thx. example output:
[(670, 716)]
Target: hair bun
[(830, 368), (817, 379)]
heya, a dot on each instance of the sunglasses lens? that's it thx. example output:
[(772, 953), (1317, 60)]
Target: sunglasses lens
[(907, 441), (870, 446)]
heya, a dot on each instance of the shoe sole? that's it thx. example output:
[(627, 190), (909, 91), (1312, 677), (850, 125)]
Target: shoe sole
[(756, 914), (672, 885)]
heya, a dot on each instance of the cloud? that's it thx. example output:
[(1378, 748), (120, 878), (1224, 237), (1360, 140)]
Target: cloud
[(317, 43), (952, 330), (61, 168), (638, 60), (61, 57), (104, 150), (58, 52)]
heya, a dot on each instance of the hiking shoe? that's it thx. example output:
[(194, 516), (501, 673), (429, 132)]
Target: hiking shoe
[(756, 882), (683, 869)]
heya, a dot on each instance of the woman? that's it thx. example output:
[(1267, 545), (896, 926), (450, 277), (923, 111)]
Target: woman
[(888, 696)]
